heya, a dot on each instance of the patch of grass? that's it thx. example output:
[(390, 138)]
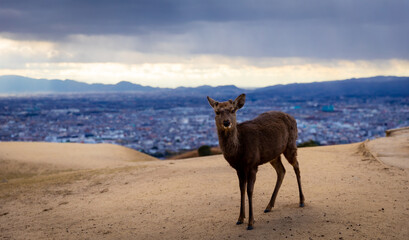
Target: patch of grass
[(310, 143), (204, 150), (193, 154)]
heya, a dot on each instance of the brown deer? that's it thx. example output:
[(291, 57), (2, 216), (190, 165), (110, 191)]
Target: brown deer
[(247, 145)]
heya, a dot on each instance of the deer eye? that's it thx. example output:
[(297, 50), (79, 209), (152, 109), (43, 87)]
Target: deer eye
[(232, 111), (217, 112)]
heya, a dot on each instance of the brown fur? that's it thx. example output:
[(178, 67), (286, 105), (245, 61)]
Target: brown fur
[(247, 145)]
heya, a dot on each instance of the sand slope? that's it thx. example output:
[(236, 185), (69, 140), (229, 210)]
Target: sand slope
[(348, 196), (392, 150), (27, 159)]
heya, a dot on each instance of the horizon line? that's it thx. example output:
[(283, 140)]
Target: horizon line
[(204, 85)]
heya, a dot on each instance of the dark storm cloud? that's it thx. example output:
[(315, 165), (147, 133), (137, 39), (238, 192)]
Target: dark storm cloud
[(321, 29)]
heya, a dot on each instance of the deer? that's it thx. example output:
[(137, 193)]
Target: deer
[(249, 144)]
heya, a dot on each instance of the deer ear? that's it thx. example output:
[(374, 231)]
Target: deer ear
[(212, 102), (239, 101)]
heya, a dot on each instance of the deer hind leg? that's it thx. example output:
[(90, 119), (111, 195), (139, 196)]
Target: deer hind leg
[(291, 155), (278, 166)]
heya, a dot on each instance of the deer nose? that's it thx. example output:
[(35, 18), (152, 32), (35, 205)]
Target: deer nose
[(226, 123)]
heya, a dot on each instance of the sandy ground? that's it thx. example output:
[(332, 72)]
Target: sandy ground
[(392, 150), (349, 195), (22, 159)]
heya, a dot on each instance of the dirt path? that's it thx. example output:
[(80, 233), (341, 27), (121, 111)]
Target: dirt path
[(348, 196)]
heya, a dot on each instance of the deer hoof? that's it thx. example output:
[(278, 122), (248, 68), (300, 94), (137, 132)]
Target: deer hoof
[(249, 227), (239, 222), (301, 204), (267, 210)]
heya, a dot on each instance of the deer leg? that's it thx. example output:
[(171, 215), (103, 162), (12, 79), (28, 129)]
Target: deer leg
[(291, 155), (278, 166), (297, 172), (242, 183), (251, 179)]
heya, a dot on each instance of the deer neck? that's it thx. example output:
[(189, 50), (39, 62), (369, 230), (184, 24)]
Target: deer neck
[(229, 142)]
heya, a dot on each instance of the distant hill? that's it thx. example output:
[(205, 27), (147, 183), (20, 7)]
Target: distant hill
[(359, 87), (19, 84)]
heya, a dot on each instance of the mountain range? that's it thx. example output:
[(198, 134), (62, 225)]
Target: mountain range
[(373, 86)]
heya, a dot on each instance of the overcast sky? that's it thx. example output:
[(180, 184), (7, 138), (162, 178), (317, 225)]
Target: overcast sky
[(174, 43)]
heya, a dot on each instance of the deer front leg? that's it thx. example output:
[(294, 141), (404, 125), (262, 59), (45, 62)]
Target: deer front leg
[(251, 179), (242, 183)]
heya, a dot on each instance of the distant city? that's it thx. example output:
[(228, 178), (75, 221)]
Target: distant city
[(162, 127)]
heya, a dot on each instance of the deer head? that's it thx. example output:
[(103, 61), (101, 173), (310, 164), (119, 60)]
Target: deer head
[(226, 112)]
